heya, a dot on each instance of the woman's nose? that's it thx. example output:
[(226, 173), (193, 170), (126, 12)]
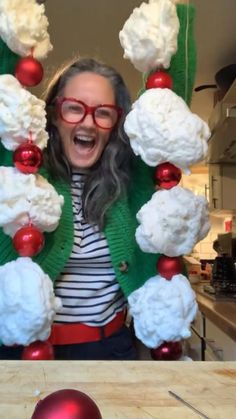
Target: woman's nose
[(88, 120)]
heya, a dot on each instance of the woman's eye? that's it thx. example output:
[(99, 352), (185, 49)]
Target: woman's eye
[(103, 113), (75, 109)]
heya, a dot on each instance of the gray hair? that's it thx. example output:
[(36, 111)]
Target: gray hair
[(108, 179)]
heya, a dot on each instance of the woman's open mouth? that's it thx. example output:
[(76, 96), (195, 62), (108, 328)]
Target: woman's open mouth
[(84, 142)]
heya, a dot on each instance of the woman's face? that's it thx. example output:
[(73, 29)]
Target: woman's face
[(84, 142)]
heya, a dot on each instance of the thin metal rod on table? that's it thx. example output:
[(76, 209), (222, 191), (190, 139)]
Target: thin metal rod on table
[(188, 404)]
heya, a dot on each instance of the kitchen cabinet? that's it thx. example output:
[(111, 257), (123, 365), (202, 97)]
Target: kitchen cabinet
[(222, 186), (208, 342), (195, 347), (213, 330), (218, 345)]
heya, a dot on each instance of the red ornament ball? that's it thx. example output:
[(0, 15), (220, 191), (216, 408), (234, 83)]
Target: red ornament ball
[(169, 266), (28, 241), (167, 175), (159, 79), (28, 158), (29, 71), (67, 404), (168, 351), (38, 351)]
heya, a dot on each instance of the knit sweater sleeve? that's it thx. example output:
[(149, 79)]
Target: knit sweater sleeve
[(183, 64), (7, 252), (141, 265), (120, 232), (58, 244)]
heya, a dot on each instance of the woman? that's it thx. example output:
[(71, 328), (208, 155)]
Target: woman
[(92, 255), (89, 148)]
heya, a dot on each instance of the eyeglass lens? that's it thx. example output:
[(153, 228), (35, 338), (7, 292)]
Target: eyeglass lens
[(74, 112)]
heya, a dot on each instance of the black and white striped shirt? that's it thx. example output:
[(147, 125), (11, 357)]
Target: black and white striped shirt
[(88, 287)]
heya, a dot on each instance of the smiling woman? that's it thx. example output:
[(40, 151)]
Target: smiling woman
[(92, 255), (86, 102), (83, 140)]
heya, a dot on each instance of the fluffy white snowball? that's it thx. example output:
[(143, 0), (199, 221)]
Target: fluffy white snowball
[(162, 128), (163, 310), (20, 113), (149, 36), (27, 303), (27, 196), (172, 222), (23, 26)]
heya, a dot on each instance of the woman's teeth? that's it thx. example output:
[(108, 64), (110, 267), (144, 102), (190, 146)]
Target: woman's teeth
[(86, 142)]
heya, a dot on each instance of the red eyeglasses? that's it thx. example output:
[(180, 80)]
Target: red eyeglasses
[(74, 111)]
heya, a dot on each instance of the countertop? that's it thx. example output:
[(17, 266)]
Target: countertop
[(221, 312), (125, 389)]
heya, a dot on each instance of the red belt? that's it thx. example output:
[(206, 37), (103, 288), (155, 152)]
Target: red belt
[(66, 334)]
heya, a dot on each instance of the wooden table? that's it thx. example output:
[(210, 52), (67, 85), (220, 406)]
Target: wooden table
[(123, 390)]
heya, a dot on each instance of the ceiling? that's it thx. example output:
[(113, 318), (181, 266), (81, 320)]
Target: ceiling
[(91, 27)]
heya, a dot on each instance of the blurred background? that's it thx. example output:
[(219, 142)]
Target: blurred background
[(91, 28)]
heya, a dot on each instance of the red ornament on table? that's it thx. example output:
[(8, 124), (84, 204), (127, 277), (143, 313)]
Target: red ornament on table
[(38, 351), (28, 241), (28, 158), (29, 71), (159, 79), (67, 404), (168, 351), (169, 266), (167, 175)]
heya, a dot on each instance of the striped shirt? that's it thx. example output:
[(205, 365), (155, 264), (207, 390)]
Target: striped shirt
[(88, 287)]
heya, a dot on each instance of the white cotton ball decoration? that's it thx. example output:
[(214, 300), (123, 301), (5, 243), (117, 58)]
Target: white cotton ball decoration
[(23, 26), (161, 128), (149, 36), (27, 303), (172, 222), (20, 113), (163, 310), (27, 197)]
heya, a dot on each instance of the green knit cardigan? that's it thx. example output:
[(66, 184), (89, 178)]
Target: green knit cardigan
[(121, 218)]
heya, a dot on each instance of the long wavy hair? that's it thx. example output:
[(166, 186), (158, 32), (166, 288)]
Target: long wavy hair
[(108, 179)]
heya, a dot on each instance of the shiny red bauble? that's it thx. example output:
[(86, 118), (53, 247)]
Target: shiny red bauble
[(38, 351), (67, 404), (29, 71), (159, 79), (28, 241), (167, 175), (28, 158), (169, 266), (168, 351)]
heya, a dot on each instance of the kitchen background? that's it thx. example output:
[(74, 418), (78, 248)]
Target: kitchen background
[(91, 27)]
